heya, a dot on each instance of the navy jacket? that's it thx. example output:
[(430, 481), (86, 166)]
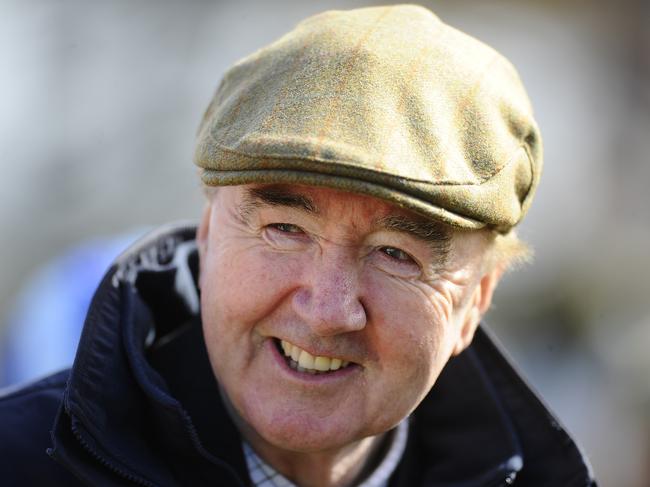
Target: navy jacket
[(141, 406)]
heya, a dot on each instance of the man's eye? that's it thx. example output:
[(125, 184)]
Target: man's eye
[(398, 254), (286, 228)]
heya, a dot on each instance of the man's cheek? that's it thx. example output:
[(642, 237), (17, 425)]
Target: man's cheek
[(413, 331), (245, 282)]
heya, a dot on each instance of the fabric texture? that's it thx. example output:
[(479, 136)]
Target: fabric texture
[(385, 101), (141, 405)]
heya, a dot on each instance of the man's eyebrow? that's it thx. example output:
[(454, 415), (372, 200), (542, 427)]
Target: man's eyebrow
[(433, 233), (255, 198), (437, 235)]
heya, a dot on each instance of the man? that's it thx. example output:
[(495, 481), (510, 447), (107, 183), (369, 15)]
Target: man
[(364, 175)]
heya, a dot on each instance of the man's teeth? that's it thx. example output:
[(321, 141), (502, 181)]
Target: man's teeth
[(304, 361)]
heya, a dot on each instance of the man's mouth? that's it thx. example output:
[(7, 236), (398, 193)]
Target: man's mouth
[(303, 361)]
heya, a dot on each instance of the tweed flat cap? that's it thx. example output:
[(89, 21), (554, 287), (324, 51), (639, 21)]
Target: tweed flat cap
[(385, 101)]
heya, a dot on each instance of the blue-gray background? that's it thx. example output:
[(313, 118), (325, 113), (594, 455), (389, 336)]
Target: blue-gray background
[(99, 102)]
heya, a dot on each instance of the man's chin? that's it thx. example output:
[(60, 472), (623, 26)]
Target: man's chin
[(289, 430), (304, 433)]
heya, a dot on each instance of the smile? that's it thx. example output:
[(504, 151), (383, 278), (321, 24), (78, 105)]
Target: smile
[(303, 361)]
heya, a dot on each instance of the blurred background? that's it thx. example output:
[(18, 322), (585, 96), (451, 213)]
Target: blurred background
[(99, 103)]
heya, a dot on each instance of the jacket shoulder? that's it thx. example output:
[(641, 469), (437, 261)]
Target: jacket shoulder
[(26, 417)]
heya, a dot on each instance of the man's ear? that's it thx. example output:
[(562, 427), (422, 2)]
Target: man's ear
[(202, 233), (479, 304)]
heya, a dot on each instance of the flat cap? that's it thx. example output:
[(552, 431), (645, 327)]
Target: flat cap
[(385, 101)]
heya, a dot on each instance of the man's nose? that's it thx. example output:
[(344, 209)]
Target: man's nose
[(329, 300)]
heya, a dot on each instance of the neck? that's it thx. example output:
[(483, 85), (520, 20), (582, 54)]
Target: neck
[(337, 467), (340, 467)]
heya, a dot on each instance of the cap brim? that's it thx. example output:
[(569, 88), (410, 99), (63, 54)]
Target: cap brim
[(393, 195)]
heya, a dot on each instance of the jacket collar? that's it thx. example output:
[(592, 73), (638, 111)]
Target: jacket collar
[(463, 432), (118, 410)]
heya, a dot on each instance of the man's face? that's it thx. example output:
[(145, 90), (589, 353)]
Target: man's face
[(345, 277)]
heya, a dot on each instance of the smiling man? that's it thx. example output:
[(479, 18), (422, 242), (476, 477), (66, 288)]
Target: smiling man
[(321, 327), (328, 317)]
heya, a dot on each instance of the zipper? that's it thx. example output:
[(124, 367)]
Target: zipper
[(507, 481), (194, 436), (107, 463), (135, 479)]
